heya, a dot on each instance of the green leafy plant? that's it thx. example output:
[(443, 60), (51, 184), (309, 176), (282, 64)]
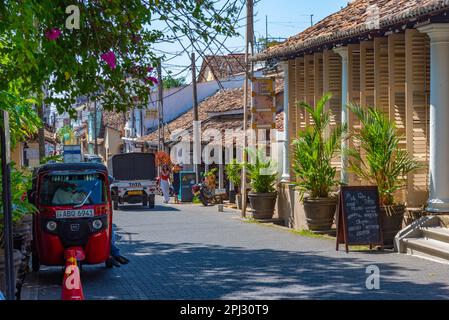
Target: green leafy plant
[(65, 134), (261, 172), (54, 158), (385, 164), (211, 173), (20, 184), (314, 150), (234, 172), (23, 119)]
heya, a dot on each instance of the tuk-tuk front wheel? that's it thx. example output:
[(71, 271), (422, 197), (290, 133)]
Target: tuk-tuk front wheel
[(145, 201)]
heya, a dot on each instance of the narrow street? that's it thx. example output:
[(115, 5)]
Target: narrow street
[(193, 252)]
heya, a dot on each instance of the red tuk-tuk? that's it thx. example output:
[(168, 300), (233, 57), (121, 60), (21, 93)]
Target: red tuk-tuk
[(74, 214)]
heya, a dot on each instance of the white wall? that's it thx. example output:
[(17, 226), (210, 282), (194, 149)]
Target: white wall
[(178, 101)]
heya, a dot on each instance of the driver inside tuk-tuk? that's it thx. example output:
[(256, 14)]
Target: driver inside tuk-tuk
[(68, 193)]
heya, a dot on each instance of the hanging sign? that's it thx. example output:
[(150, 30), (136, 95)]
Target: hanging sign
[(263, 106), (358, 217)]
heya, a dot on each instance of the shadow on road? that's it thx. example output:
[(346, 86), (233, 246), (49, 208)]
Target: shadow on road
[(198, 271), (139, 208)]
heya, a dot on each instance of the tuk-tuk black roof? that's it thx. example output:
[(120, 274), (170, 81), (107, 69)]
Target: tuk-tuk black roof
[(81, 166)]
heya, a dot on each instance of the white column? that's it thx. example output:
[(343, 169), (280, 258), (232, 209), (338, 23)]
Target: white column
[(286, 143), (221, 176), (439, 117), (343, 52)]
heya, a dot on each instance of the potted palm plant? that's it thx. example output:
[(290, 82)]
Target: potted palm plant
[(314, 150), (262, 174), (234, 174), (384, 164)]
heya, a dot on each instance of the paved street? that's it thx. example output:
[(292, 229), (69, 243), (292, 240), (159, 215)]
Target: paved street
[(192, 252)]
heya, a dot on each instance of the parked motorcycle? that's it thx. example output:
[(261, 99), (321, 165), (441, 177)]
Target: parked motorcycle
[(206, 195)]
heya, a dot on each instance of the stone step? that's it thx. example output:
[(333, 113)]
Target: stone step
[(428, 248), (436, 233)]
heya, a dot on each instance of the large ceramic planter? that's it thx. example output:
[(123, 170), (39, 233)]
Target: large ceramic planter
[(320, 213), (262, 204), (392, 219), (17, 262)]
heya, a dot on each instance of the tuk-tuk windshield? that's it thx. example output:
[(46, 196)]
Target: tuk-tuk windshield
[(72, 189)]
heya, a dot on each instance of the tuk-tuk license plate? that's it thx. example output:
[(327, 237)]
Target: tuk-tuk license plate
[(81, 213), (135, 193)]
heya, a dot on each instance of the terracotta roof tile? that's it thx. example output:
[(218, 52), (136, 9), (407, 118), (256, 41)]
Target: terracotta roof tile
[(225, 100), (352, 21), (222, 66)]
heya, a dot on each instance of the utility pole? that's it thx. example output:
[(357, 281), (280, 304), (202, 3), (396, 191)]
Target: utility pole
[(248, 76), (160, 109), (196, 125), (266, 32), (7, 206), (41, 130), (95, 127)]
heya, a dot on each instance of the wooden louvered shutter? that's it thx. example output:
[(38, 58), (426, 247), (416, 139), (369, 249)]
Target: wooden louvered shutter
[(332, 82), (301, 114), (367, 91), (309, 84), (354, 89), (396, 65), (292, 110), (417, 112), (381, 75)]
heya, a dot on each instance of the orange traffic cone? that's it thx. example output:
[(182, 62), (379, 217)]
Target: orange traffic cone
[(71, 286)]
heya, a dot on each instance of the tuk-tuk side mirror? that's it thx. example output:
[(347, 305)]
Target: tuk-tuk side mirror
[(111, 179)]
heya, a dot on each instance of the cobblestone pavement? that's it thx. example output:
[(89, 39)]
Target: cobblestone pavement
[(192, 252)]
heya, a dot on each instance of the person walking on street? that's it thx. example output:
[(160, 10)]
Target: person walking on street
[(176, 181), (165, 184)]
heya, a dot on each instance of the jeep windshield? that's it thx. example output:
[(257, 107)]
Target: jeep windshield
[(72, 190)]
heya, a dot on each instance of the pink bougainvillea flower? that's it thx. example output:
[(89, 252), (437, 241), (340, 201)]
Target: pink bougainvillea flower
[(53, 34), (151, 79), (109, 58), (150, 69)]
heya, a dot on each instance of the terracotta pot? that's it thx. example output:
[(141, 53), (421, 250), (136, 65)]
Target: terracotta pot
[(392, 219), (320, 213), (262, 204), (17, 262)]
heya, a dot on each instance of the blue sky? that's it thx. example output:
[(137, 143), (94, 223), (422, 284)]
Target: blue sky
[(285, 18)]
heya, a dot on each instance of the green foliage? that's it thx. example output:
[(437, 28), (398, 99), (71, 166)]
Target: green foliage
[(314, 150), (65, 133), (20, 184), (261, 172), (385, 164), (234, 172), (71, 66), (171, 82), (54, 158), (210, 173), (23, 119)]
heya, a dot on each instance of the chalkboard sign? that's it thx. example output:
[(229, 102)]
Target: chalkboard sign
[(358, 217), (187, 180)]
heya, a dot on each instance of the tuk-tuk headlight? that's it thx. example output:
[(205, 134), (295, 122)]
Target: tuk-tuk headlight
[(97, 224), (51, 226)]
